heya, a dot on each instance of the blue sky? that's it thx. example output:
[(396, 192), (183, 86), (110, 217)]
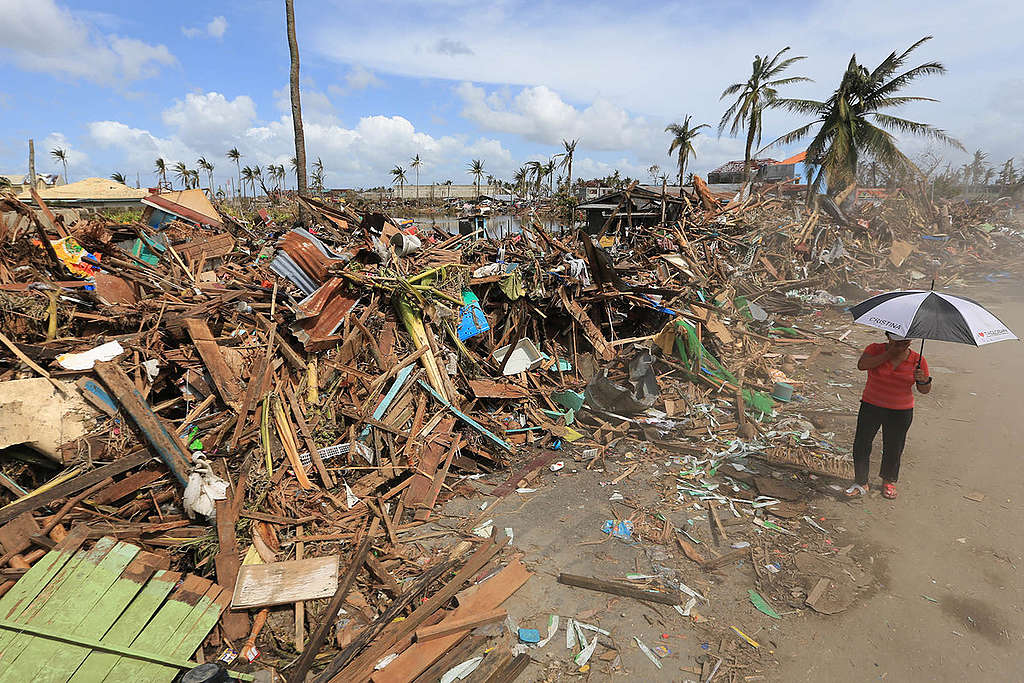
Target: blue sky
[(119, 84)]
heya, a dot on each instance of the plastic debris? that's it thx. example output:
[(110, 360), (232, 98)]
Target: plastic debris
[(762, 605), (529, 635), (459, 672), (622, 529), (745, 637), (647, 651)]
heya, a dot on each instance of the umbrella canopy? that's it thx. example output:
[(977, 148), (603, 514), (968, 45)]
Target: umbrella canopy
[(921, 314)]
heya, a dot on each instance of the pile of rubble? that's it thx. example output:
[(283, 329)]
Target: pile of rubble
[(277, 415)]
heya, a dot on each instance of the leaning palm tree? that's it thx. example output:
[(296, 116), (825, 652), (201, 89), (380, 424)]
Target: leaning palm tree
[(758, 93), (476, 169), (61, 155), (682, 144), (549, 171), (161, 170), (246, 176), (181, 173), (235, 156), (534, 169), (416, 163), (852, 122), (520, 179), (566, 162), (208, 167), (118, 178), (193, 175), (398, 174)]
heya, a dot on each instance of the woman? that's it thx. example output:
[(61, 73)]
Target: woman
[(888, 402)]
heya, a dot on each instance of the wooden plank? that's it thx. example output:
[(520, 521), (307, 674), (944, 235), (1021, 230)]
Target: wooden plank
[(165, 624), (414, 660), (26, 601), (316, 641), (590, 330), (167, 445), (426, 468), (128, 485), (15, 535), (616, 588), (224, 380), (180, 643), (39, 575), (65, 607), (450, 626), (361, 667), (73, 486), (227, 563), (423, 514), (282, 583), (127, 627), (93, 621)]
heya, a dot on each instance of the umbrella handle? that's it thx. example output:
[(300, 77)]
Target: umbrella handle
[(920, 356)]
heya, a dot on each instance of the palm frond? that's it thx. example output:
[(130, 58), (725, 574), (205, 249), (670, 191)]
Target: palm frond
[(915, 128)]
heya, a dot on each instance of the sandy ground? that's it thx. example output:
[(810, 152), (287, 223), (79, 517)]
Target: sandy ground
[(965, 556), (945, 596)]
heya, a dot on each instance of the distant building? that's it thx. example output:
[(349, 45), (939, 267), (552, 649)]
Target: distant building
[(439, 191), (732, 172), (641, 209), (93, 193), (795, 167), (190, 206), (19, 181), (589, 190)]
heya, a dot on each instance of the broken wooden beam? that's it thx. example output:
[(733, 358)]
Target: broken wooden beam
[(615, 588)]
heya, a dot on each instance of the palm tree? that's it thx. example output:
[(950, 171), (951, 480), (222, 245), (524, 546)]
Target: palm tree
[(194, 178), (682, 144), (246, 175), (520, 178), (118, 178), (235, 156), (399, 177), (295, 169), (61, 155), (852, 121), (534, 169), (566, 162), (318, 176), (549, 171), (300, 137), (416, 163), (978, 166), (476, 169), (758, 93), (208, 167), (161, 171), (181, 173)]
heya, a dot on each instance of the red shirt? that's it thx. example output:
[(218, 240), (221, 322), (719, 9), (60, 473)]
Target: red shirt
[(890, 387)]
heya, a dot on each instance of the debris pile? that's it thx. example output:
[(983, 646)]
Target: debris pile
[(277, 415)]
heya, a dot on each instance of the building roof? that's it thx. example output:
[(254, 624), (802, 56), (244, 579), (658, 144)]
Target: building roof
[(795, 159), (88, 189), (737, 166), (188, 204)]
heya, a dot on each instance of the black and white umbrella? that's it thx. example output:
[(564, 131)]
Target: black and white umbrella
[(922, 314)]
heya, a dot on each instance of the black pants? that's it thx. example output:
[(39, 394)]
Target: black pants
[(894, 424)]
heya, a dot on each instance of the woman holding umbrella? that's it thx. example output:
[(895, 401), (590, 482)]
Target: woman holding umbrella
[(894, 370), (887, 403)]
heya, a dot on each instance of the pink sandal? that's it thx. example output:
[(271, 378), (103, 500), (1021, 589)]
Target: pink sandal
[(888, 490)]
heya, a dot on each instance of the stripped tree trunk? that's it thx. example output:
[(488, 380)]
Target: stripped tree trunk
[(300, 138)]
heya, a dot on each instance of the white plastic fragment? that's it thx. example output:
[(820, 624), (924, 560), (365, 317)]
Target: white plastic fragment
[(552, 630), (591, 627), (650, 655), (690, 604), (350, 498), (86, 359), (385, 661), (815, 524), (570, 635), (484, 530), (459, 672), (584, 656)]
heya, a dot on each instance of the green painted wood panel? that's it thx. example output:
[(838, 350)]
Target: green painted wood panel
[(93, 622), (76, 599), (130, 624)]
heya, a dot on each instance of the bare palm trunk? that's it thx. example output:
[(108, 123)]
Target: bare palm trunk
[(32, 163), (300, 138), (417, 185), (750, 142)]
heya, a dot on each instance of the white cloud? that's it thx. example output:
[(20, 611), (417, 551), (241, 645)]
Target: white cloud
[(214, 29), (209, 124), (54, 140), (361, 78), (40, 36), (209, 119), (637, 61)]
